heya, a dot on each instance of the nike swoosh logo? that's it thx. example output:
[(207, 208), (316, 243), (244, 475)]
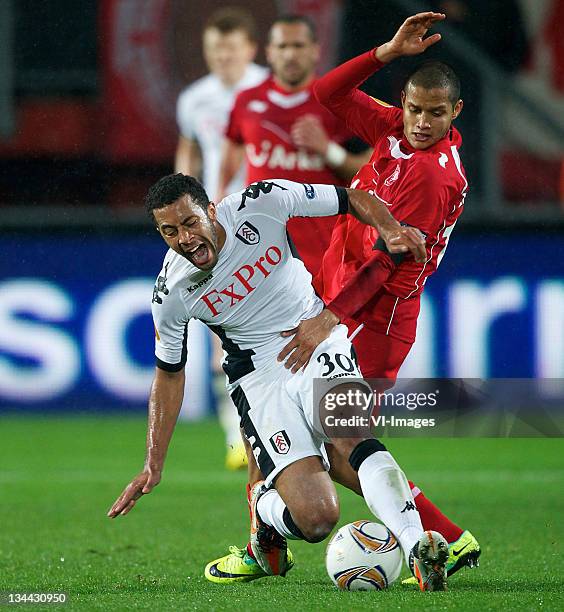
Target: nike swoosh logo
[(457, 552), (215, 571)]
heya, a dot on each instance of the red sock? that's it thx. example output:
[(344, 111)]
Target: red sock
[(250, 551), (433, 518)]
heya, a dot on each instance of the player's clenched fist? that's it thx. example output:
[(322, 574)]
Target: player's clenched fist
[(141, 485), (407, 239)]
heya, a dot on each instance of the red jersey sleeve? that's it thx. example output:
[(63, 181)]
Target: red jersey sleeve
[(338, 91), (234, 126), (362, 286)]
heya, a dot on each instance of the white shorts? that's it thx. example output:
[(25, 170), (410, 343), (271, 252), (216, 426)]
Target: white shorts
[(276, 407)]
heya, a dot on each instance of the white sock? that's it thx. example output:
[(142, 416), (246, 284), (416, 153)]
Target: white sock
[(386, 492), (271, 508), (227, 412)]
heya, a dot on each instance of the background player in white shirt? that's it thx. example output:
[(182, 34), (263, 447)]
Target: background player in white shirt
[(231, 267), (229, 46)]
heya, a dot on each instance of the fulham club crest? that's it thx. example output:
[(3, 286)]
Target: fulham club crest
[(280, 442), (248, 233)]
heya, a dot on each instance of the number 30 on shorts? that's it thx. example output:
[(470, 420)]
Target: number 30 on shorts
[(346, 363)]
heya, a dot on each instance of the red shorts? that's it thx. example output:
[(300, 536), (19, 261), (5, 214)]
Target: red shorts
[(387, 336), (380, 356)]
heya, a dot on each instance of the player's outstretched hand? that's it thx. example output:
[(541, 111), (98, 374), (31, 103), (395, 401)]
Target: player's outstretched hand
[(141, 485), (308, 133), (409, 39), (306, 338), (407, 239)]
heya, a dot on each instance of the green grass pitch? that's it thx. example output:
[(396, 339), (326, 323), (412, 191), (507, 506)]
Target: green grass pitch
[(59, 476)]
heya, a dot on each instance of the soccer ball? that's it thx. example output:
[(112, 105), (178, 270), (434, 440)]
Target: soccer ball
[(363, 556)]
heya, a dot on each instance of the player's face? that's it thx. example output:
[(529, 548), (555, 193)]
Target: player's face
[(427, 115), (292, 54), (192, 233), (227, 55)]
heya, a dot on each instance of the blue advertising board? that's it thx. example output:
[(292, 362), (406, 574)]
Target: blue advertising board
[(76, 331)]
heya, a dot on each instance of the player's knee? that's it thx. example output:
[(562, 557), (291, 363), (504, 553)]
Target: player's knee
[(320, 523), (318, 531)]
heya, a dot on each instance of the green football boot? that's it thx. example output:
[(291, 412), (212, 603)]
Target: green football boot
[(464, 552), (238, 566)]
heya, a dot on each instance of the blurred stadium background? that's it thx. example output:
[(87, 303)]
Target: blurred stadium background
[(87, 123)]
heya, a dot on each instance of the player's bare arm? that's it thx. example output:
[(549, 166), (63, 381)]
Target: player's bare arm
[(232, 156), (409, 39), (188, 159), (165, 401), (308, 133), (399, 239)]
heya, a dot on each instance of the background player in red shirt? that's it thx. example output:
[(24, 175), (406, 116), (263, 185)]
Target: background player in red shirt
[(416, 171), (282, 131)]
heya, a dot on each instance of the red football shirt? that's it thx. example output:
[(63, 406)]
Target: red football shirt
[(262, 119), (423, 188)]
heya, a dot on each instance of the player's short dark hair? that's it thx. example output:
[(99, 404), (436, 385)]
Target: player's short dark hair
[(436, 75), (292, 19), (231, 19), (172, 187)]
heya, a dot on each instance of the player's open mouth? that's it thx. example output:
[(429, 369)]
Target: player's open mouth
[(419, 137), (199, 255)]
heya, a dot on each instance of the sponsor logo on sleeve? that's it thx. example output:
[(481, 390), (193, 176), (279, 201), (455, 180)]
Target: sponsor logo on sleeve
[(280, 442), (310, 191), (248, 233)]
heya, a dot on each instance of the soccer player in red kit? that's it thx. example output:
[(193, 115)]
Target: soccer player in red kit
[(282, 131), (416, 171)]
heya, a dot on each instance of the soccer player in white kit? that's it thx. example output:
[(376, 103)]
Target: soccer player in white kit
[(229, 46), (230, 266)]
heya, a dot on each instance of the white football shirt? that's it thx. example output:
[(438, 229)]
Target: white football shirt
[(202, 113), (257, 289)]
